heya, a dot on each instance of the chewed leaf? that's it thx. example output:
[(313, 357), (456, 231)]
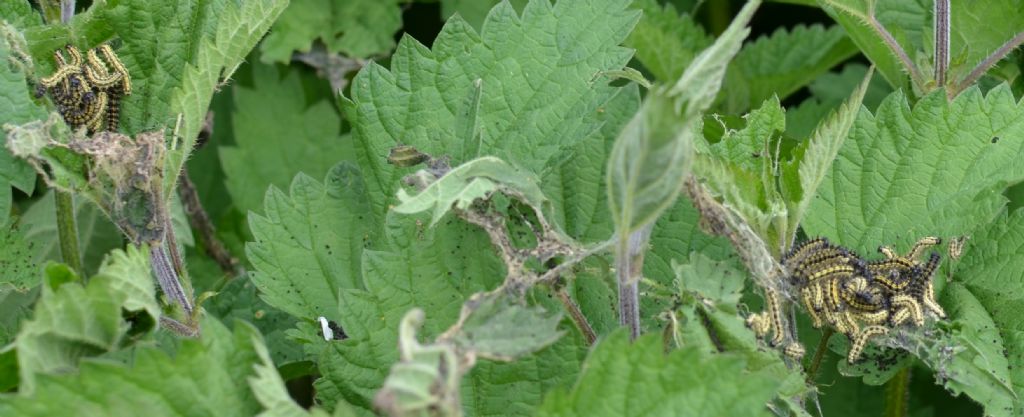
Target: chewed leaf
[(494, 326), (468, 182)]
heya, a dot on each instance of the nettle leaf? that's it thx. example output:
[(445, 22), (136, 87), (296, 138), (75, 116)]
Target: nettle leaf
[(624, 379), (97, 236), (309, 243), (580, 203), (648, 162), (18, 269), (829, 91), (739, 168), (935, 169), (434, 269), (782, 63), (905, 20), (223, 374), (464, 184), (278, 135), (20, 14), (360, 28), (654, 151), (665, 41), (976, 31), (19, 107), (803, 174), (474, 94), (474, 11), (238, 300), (985, 298), (72, 321), (500, 328)]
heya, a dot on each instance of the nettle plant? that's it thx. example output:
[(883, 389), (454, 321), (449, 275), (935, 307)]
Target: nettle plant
[(579, 207)]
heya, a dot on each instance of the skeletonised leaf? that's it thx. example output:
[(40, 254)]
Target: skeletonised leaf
[(498, 328), (434, 269), (468, 182), (475, 94)]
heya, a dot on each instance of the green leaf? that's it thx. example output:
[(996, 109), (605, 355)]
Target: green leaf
[(19, 13), (648, 162), (985, 298), (623, 379), (829, 91), (479, 94), (96, 234), (74, 321), (277, 135), (220, 375), (801, 176), (474, 11), (309, 244), (740, 168), (468, 182), (238, 300), (498, 328), (935, 169), (19, 107), (434, 269), (905, 20), (576, 188), (359, 28), (653, 152), (240, 27), (782, 63), (977, 30), (665, 41), (18, 268)]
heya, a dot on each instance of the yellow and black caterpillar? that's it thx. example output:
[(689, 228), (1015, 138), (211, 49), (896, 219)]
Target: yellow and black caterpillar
[(88, 92), (859, 298)]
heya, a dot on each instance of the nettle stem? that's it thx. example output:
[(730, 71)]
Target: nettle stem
[(897, 395), (629, 263), (941, 30), (819, 354), (67, 230)]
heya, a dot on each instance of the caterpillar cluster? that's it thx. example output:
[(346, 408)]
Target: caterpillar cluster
[(88, 91), (859, 298)]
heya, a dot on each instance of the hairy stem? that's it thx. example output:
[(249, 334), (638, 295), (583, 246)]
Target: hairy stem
[(890, 41), (200, 221), (941, 29), (67, 231), (577, 316), (987, 63), (819, 354), (629, 262), (897, 395), (67, 10), (629, 307), (167, 277)]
